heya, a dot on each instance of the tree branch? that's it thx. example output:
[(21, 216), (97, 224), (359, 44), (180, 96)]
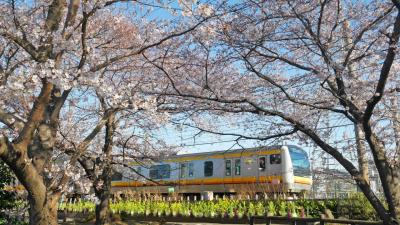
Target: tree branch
[(72, 11), (264, 138), (36, 116), (397, 4), (55, 14), (385, 70), (26, 45), (143, 49), (83, 145), (11, 121)]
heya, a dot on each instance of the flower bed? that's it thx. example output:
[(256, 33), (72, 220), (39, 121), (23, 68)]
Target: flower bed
[(226, 208)]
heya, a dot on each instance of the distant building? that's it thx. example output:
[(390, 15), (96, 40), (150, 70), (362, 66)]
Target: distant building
[(335, 183)]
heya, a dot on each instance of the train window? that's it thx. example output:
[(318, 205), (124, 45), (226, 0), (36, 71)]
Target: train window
[(165, 171), (275, 159), (191, 169), (237, 166), (139, 173), (160, 171), (208, 168), (300, 162), (116, 176), (183, 170), (153, 172), (228, 167), (261, 165)]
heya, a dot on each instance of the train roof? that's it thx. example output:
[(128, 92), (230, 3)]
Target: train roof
[(227, 154), (241, 150), (236, 153)]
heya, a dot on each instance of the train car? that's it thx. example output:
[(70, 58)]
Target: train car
[(255, 170)]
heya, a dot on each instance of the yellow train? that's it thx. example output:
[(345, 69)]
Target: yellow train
[(256, 170)]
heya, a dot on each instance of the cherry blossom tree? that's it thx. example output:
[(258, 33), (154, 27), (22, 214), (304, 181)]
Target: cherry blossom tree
[(52, 54), (124, 140), (292, 66)]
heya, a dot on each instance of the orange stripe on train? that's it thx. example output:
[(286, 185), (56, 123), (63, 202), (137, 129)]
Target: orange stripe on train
[(206, 181)]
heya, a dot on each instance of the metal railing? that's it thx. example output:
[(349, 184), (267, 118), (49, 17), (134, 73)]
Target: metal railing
[(299, 221)]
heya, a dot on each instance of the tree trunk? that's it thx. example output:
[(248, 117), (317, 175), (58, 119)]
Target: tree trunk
[(395, 187), (396, 125), (103, 209), (103, 193), (361, 152), (389, 175), (45, 215), (395, 183)]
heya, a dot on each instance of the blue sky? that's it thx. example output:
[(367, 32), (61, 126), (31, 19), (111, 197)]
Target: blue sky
[(185, 141)]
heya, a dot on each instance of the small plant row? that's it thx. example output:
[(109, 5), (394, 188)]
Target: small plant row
[(353, 208)]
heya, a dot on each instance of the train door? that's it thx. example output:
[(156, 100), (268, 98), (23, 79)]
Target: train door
[(274, 168), (183, 174), (228, 173), (262, 169), (237, 170)]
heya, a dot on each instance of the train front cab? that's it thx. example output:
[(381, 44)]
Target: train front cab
[(296, 172)]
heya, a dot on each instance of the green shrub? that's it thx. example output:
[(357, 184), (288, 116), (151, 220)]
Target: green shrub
[(80, 206), (313, 208), (250, 209), (8, 196), (260, 209), (355, 207), (281, 207), (271, 208), (175, 208)]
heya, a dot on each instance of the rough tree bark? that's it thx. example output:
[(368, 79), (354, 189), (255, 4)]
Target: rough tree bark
[(361, 152), (395, 182), (102, 182), (103, 191), (396, 125), (30, 154), (44, 211), (27, 156)]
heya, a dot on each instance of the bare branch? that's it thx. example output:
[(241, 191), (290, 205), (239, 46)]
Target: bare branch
[(241, 136)]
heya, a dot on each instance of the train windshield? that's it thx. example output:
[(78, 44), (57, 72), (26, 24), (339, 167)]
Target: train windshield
[(301, 164)]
